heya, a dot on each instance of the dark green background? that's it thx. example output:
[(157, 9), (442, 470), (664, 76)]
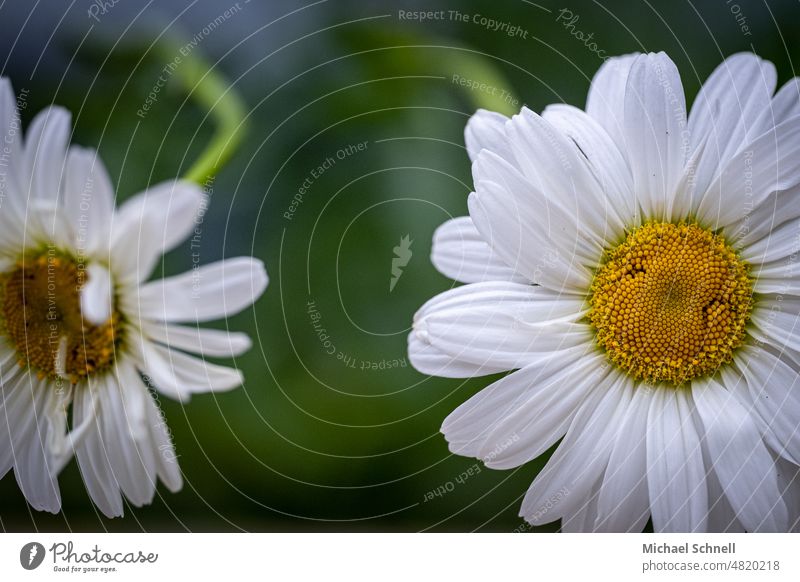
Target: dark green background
[(309, 443)]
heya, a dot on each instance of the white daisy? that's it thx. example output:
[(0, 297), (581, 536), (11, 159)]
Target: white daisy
[(81, 329), (658, 343)]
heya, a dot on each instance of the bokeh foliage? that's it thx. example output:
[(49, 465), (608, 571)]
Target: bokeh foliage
[(311, 443)]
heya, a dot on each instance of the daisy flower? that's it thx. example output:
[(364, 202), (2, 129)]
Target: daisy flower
[(637, 270), (83, 332)]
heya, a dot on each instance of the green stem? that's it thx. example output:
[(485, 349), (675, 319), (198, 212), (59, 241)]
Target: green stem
[(214, 94)]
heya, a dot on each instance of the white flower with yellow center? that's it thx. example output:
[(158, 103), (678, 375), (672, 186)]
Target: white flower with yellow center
[(81, 329), (657, 342)]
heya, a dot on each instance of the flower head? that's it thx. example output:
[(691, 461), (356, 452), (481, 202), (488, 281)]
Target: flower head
[(637, 268), (83, 332)]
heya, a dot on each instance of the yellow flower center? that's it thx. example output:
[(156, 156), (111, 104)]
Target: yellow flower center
[(41, 316), (670, 303)]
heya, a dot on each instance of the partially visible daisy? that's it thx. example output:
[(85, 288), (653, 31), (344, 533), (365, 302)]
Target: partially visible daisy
[(83, 332), (638, 269)]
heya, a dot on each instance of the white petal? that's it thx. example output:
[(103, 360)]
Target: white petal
[(777, 280), (149, 427), (607, 162), (178, 375), (461, 253), (778, 209), (766, 165), (93, 457), (623, 503), (736, 383), (726, 108), (501, 324), (44, 224), (582, 519), (741, 460), (606, 100), (488, 291), (152, 223), (8, 107), (522, 415), (166, 457), (45, 154), (134, 396), (785, 105), (430, 360), (133, 466), (779, 245), (565, 483), (721, 517), (12, 210), (25, 415), (486, 130), (521, 233), (775, 391), (12, 407), (675, 469), (17, 417), (6, 447), (88, 199), (789, 485), (776, 320), (784, 274), (556, 218), (740, 88), (555, 166), (97, 294), (210, 292), (655, 130), (61, 442), (216, 343)]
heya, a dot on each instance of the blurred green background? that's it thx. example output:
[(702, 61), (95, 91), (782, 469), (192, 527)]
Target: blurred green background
[(333, 430)]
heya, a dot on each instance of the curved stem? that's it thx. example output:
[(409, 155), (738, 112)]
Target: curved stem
[(214, 94)]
